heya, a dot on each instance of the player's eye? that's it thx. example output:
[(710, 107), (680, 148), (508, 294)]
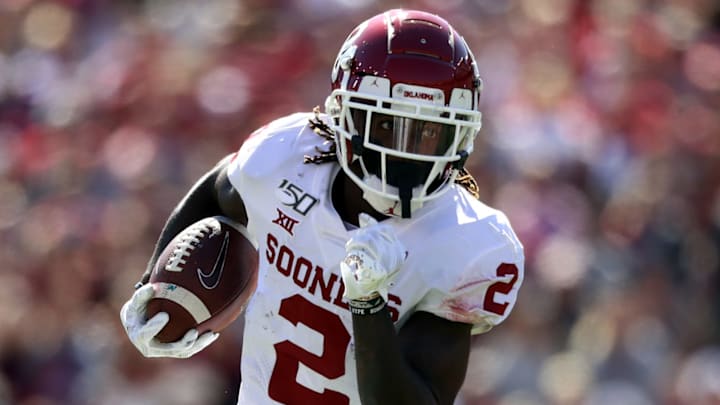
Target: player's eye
[(429, 132), (386, 125)]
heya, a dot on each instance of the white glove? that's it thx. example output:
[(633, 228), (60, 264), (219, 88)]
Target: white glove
[(142, 333), (373, 257)]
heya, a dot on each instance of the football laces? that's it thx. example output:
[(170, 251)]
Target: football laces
[(189, 240)]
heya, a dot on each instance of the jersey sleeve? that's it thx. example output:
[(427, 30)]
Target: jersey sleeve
[(264, 159), (483, 293), (267, 149)]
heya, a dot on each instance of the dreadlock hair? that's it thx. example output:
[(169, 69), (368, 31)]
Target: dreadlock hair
[(464, 178), (324, 131)]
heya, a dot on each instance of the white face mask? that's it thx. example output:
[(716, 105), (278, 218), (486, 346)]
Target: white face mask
[(408, 152)]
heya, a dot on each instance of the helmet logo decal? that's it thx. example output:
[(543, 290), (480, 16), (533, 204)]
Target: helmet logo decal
[(417, 94), (344, 62), (346, 54), (379, 86)]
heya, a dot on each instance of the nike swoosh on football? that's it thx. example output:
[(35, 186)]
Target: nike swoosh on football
[(212, 279)]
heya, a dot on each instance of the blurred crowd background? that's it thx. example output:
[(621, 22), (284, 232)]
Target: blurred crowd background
[(601, 142)]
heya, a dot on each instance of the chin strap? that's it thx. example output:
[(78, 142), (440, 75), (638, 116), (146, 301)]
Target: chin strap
[(405, 197), (460, 163), (356, 143), (405, 188)]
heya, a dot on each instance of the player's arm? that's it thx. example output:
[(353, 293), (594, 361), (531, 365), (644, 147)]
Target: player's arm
[(211, 195), (425, 363)]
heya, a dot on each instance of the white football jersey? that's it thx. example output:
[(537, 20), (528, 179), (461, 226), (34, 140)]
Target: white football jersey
[(464, 263)]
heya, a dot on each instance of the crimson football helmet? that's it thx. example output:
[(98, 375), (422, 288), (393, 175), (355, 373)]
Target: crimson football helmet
[(404, 108)]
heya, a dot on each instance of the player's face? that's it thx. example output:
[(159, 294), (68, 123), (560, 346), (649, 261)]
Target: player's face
[(400, 135), (410, 135), (407, 134)]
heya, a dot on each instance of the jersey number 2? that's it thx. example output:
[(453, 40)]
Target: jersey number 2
[(500, 287), (330, 364)]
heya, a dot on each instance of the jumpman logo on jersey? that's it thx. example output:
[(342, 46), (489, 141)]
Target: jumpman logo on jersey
[(286, 222), (391, 211)]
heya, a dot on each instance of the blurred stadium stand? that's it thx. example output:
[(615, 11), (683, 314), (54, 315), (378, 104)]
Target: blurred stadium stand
[(601, 141)]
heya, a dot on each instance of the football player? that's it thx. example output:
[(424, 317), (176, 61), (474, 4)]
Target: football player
[(377, 260)]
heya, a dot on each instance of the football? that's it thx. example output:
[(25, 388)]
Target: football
[(203, 278)]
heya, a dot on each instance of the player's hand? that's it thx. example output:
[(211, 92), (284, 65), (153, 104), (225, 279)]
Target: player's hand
[(142, 332), (373, 257)]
